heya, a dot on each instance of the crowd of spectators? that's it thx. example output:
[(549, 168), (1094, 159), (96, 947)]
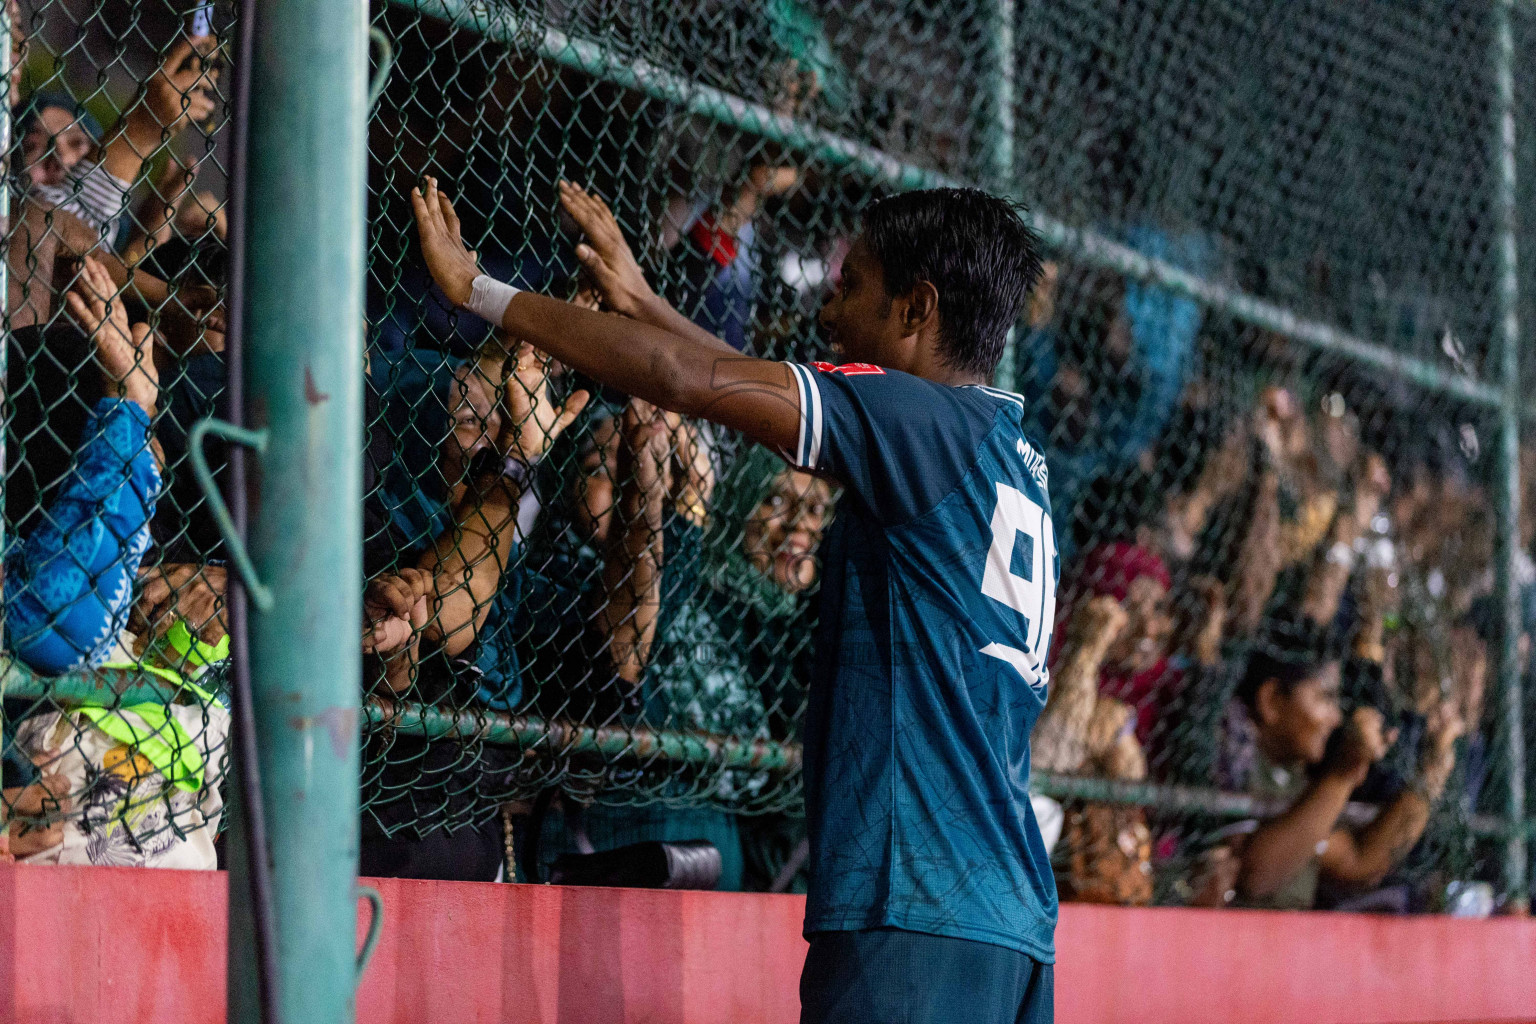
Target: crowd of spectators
[(1269, 584)]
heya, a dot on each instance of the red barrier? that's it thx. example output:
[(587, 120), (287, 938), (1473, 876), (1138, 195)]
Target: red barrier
[(124, 946)]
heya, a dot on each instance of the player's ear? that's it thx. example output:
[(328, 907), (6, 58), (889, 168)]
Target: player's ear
[(922, 307)]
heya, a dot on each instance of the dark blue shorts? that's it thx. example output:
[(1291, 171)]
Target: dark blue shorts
[(889, 976)]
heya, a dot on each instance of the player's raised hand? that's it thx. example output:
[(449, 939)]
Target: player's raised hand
[(452, 263), (606, 254)]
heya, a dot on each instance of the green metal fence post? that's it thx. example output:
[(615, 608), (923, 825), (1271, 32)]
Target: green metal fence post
[(997, 124), (1507, 492), (5, 219), (306, 188), (997, 137)]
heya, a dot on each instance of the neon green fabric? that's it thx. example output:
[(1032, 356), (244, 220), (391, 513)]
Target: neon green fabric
[(159, 738), (187, 647)]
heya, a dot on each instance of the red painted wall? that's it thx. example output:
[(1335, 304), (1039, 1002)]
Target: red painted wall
[(125, 946)]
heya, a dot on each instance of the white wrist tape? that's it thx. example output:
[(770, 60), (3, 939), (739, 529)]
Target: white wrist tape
[(488, 299)]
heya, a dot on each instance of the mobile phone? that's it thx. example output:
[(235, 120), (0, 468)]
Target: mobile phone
[(200, 21)]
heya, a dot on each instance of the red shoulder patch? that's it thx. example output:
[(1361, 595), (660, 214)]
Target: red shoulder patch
[(848, 369)]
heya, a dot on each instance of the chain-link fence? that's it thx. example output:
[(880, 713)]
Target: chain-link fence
[(1272, 364)]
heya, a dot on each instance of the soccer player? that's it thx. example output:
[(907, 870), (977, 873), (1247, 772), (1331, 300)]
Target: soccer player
[(931, 896)]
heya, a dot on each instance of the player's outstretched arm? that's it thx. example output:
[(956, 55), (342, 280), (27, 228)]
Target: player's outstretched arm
[(756, 396)]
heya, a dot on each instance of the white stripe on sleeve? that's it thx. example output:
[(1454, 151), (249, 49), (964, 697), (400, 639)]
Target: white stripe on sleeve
[(802, 387), (813, 457), (808, 448)]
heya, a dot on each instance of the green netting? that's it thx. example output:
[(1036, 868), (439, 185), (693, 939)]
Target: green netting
[(1267, 364)]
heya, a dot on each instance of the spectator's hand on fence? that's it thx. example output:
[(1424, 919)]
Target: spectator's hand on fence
[(1212, 620), (1373, 482), (1438, 758), (646, 435), (451, 263), (1097, 623), (693, 470), (48, 799), (188, 591), (394, 606), (606, 254), (396, 610), (532, 421), (1365, 741), (180, 92), (125, 354), (1275, 422), (193, 321)]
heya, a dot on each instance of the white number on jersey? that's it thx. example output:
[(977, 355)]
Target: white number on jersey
[(1018, 574)]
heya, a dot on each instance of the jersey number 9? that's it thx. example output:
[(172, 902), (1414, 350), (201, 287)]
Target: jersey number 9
[(1019, 573)]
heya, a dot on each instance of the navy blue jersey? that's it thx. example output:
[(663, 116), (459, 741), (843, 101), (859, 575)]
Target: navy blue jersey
[(938, 599)]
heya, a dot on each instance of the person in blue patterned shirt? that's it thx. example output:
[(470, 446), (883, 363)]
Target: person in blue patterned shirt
[(69, 583), (931, 895)]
